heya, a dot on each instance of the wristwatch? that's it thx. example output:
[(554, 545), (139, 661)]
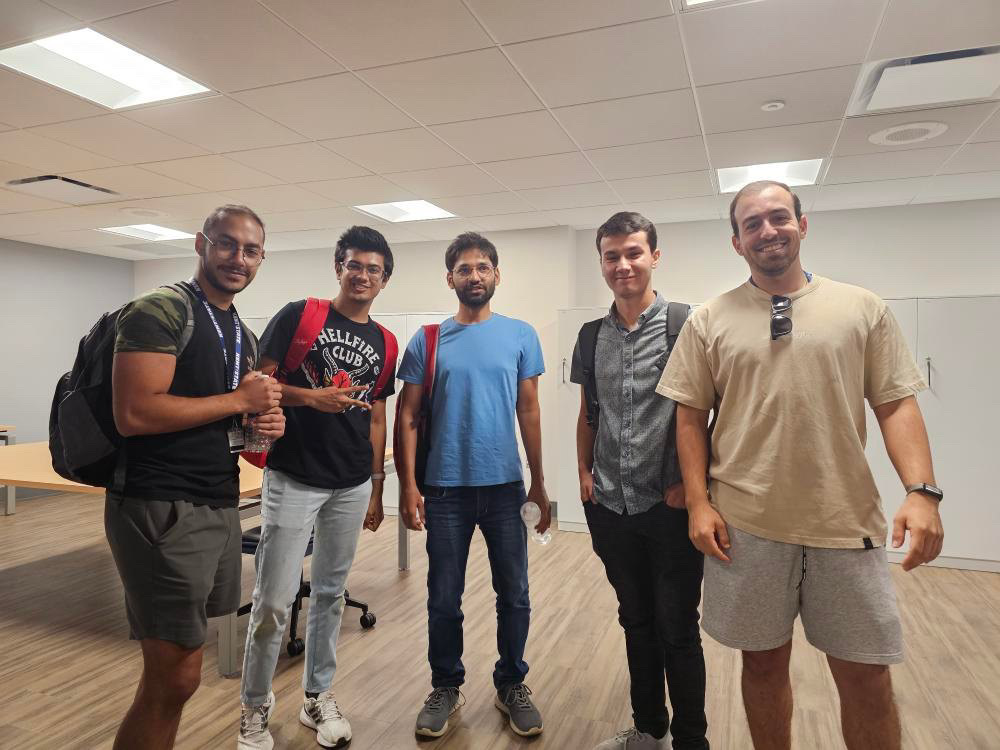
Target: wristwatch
[(926, 489)]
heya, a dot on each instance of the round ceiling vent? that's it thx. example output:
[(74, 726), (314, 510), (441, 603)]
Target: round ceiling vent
[(774, 106), (911, 132), (143, 213)]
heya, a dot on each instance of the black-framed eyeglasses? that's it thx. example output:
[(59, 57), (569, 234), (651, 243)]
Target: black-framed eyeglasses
[(229, 247), (781, 323)]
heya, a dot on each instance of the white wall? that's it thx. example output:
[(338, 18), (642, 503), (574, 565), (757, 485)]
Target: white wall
[(50, 299)]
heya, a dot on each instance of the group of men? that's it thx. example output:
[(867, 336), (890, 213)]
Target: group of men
[(774, 504)]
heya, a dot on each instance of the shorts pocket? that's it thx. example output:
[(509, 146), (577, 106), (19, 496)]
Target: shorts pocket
[(163, 519)]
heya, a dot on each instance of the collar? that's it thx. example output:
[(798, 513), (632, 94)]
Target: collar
[(650, 312)]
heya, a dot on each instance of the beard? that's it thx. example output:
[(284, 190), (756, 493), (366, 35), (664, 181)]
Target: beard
[(773, 265), (475, 297), (214, 276)]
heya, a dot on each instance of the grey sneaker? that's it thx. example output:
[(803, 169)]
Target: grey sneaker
[(515, 701), (632, 739), (254, 734), (432, 721)]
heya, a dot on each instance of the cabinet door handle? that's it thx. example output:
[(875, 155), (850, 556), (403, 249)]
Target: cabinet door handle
[(928, 361), (564, 370)]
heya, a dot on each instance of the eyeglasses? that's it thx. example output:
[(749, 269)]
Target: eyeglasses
[(781, 324), (483, 269), (354, 267), (229, 247)]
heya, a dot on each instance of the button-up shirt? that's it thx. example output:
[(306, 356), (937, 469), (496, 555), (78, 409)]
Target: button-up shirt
[(635, 451)]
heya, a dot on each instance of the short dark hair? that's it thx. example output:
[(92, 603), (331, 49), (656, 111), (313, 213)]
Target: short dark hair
[(626, 222), (468, 241), (230, 209), (366, 240), (753, 188)]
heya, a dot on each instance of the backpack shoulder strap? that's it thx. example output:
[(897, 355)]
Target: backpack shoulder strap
[(677, 314), (310, 324), (430, 356), (587, 341), (389, 363)]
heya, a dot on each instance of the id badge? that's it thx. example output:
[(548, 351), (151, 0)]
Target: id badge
[(235, 433)]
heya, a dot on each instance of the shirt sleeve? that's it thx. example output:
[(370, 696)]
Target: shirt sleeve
[(279, 332), (687, 378), (576, 369), (531, 361), (411, 369), (890, 372), (152, 323)]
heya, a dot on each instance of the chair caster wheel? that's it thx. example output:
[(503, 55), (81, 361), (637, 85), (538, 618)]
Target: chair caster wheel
[(296, 646), (367, 620)]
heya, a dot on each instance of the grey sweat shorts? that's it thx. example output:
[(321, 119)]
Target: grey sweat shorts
[(845, 597)]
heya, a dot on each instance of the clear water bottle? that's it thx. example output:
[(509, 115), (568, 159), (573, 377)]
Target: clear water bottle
[(531, 514)]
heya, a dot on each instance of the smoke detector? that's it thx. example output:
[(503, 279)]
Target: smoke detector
[(910, 133)]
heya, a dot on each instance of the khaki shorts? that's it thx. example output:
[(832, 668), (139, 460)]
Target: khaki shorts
[(179, 563), (845, 597)]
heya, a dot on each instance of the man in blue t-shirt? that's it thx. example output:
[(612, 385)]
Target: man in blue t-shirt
[(486, 372)]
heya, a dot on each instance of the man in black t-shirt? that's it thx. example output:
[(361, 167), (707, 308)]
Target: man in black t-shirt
[(174, 527), (326, 472)]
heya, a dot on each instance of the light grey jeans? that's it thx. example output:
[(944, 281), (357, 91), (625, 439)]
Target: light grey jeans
[(289, 510)]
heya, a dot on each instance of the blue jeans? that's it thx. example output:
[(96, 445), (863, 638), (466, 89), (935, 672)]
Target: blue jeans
[(452, 514)]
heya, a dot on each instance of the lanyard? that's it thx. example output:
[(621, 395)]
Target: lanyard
[(238, 344)]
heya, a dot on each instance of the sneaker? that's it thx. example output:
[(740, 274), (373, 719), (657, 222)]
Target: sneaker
[(514, 701), (254, 734), (432, 721), (632, 739), (323, 714)]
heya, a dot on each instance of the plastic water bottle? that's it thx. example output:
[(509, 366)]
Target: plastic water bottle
[(531, 514)]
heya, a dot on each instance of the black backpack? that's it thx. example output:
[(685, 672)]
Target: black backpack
[(83, 440), (677, 313)]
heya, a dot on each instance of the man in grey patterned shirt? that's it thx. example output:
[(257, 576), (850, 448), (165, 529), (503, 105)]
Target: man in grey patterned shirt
[(630, 484)]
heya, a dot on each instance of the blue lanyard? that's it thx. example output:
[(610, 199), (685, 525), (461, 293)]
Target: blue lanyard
[(238, 344)]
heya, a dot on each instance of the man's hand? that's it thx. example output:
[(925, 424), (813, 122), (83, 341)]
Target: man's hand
[(258, 393), (270, 424), (587, 487), (674, 496), (707, 530), (920, 515), (538, 496), (334, 400), (411, 508), (376, 514)]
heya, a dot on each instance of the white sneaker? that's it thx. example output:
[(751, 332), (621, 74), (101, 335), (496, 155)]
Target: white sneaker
[(254, 734), (323, 714), (632, 739)]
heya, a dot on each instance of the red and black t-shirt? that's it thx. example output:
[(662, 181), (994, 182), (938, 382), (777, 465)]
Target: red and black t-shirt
[(329, 451)]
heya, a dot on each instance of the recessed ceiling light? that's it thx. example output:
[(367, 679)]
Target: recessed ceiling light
[(904, 135), (774, 106), (406, 211), (150, 232), (90, 65), (689, 4), (792, 173)]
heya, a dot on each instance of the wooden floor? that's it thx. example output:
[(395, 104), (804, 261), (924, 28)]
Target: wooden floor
[(67, 672)]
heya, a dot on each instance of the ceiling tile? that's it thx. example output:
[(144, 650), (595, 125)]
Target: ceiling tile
[(301, 162), (485, 205), (398, 151), (627, 60), (215, 123), (444, 230), (11, 171), (194, 206), (619, 122), (317, 238), (275, 198), (78, 238), (766, 145), (321, 218), (12, 201), (24, 20), (357, 191), (92, 10), (119, 138), (25, 102), (868, 194), (132, 182), (366, 33), (942, 26), (569, 196), (225, 44), (457, 87), (396, 234), (212, 173), (974, 157), (327, 107), (504, 222), (812, 96), (664, 187), (543, 171), (887, 166), (756, 40), (517, 20), (990, 131), (466, 179), (47, 156), (585, 218), (683, 209), (961, 121), (507, 137), (956, 187), (645, 159)]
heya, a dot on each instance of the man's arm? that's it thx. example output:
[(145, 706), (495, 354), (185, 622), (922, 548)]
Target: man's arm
[(706, 528), (411, 503), (331, 399), (376, 513), (529, 417), (142, 405), (906, 442), (585, 437)]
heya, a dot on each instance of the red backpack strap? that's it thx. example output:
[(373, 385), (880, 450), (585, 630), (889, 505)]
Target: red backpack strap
[(430, 361), (389, 363), (310, 324)]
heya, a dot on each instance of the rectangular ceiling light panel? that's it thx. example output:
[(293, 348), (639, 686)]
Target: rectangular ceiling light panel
[(936, 82), (792, 173), (95, 67), (406, 211), (151, 232)]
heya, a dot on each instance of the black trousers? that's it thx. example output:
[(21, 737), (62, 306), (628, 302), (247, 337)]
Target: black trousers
[(656, 573)]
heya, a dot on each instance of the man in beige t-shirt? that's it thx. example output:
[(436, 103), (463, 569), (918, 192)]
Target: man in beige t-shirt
[(790, 517)]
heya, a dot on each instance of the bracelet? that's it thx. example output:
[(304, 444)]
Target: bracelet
[(378, 475)]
